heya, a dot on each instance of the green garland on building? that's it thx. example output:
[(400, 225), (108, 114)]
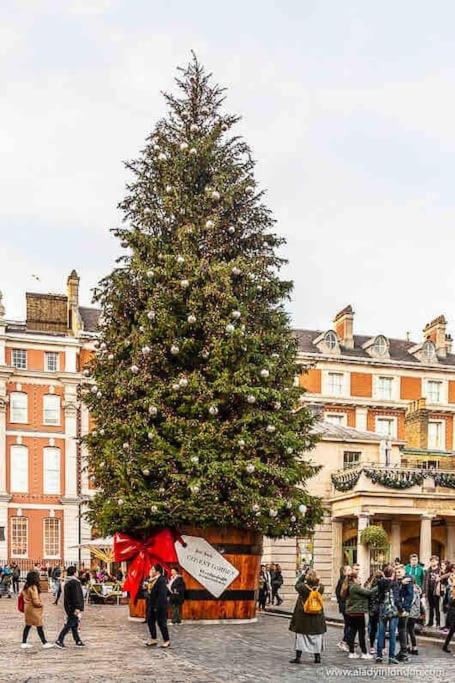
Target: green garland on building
[(395, 480), (444, 479), (346, 481)]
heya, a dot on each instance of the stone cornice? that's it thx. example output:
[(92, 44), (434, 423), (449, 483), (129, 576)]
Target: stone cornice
[(313, 358)]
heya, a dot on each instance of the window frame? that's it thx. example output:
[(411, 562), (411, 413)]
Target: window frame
[(343, 419), (440, 384), (426, 346), (442, 425), (55, 521), (16, 448), (392, 420), (14, 520), (380, 346), (12, 416), (355, 462), (16, 365), (331, 341), (390, 381), (55, 451), (56, 356), (47, 410), (329, 385)]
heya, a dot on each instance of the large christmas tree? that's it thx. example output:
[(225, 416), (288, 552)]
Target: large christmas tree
[(198, 420)]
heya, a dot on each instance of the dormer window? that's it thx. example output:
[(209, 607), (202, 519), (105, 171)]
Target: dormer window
[(331, 341), (380, 346), (428, 351)]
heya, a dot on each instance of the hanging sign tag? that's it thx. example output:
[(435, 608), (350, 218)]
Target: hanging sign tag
[(205, 564)]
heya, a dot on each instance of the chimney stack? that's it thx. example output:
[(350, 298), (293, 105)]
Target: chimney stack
[(72, 290), (416, 424), (343, 324), (436, 332)]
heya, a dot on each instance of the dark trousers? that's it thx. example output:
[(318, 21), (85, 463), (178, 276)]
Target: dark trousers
[(176, 614), (433, 604), (411, 632), (275, 590), (262, 599), (157, 616), (40, 633), (373, 623), (403, 634), (15, 586), (449, 636), (356, 625), (72, 624)]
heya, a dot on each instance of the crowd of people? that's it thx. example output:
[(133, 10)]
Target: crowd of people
[(393, 602), (270, 582)]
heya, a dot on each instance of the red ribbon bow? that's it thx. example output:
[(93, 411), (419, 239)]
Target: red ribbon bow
[(159, 548)]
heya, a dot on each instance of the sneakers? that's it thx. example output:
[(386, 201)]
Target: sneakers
[(343, 646), (372, 650), (47, 646), (80, 644), (25, 646), (59, 644), (165, 645), (151, 643), (365, 655), (446, 649), (414, 652), (353, 655), (393, 660), (378, 660)]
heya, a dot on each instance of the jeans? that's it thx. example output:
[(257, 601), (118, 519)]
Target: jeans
[(72, 624), (433, 604), (356, 624), (159, 616), (402, 634), (393, 622), (373, 623), (40, 633)]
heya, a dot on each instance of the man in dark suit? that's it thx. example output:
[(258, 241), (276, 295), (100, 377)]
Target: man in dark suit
[(157, 594)]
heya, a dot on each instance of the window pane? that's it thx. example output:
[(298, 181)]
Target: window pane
[(335, 383), (18, 402), (51, 470), (351, 459), (19, 469), (19, 536), (385, 426), (335, 419), (51, 537), (434, 391), (19, 359), (51, 361), (51, 409), (435, 435)]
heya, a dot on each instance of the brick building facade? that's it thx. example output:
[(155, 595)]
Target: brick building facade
[(43, 484)]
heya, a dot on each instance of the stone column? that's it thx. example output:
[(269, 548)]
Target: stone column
[(363, 551), (71, 474), (395, 540), (450, 542), (4, 499), (425, 538), (71, 529), (2, 437), (337, 551)]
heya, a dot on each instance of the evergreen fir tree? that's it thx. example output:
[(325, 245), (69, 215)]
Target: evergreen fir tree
[(197, 416)]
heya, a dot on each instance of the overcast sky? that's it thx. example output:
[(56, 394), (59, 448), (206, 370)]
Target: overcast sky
[(348, 105)]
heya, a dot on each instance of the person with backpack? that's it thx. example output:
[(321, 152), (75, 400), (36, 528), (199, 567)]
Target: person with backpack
[(356, 607), (31, 605), (344, 572), (388, 614), (308, 620)]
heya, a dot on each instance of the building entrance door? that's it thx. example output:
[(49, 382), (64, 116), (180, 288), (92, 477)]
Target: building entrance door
[(350, 551)]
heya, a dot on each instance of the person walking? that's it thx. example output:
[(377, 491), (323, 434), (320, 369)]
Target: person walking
[(157, 606), (176, 588), (432, 591), (73, 601), (6, 581), (415, 569), (16, 575), (356, 607), (446, 572), (373, 610), (308, 620), (33, 610), (388, 614), (55, 576), (277, 582), (344, 572)]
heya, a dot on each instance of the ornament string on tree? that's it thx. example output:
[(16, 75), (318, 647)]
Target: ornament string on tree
[(205, 425)]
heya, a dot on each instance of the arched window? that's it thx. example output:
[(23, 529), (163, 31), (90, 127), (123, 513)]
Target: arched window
[(19, 407), (428, 351), (380, 345), (51, 409), (330, 340), (51, 470), (19, 469), (19, 536), (51, 536)]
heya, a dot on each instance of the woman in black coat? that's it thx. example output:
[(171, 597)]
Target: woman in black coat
[(277, 582), (176, 588), (157, 605)]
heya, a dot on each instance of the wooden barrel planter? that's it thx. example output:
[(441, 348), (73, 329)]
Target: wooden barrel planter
[(243, 549)]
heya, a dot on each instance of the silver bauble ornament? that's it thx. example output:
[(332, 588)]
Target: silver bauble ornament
[(231, 230), (175, 349), (194, 459), (153, 509), (194, 128), (184, 284), (293, 518), (94, 389), (111, 356), (176, 386), (125, 446), (264, 373), (145, 350), (236, 271), (273, 512), (255, 507), (209, 224), (150, 436), (151, 315), (277, 405), (251, 398), (213, 410), (162, 156), (216, 195), (153, 410), (191, 319), (180, 260), (236, 315), (193, 151), (183, 146), (99, 394), (302, 509), (169, 189), (230, 328), (289, 450), (241, 443), (145, 472), (271, 428), (134, 369), (86, 373), (250, 468), (120, 501), (183, 382)]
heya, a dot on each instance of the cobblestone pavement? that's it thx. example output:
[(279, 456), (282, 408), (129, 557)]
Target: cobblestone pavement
[(200, 654)]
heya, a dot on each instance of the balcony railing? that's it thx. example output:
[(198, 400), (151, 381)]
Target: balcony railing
[(398, 478)]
